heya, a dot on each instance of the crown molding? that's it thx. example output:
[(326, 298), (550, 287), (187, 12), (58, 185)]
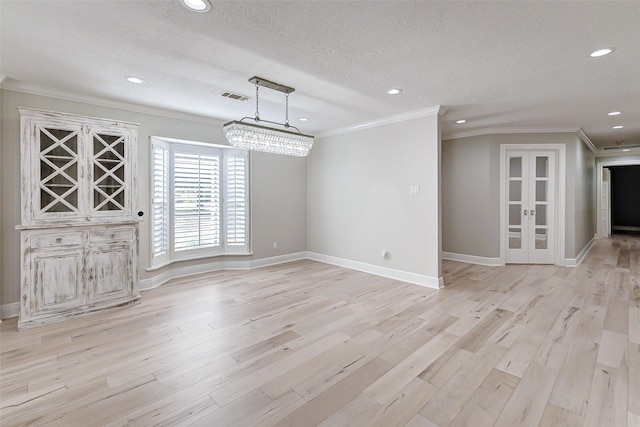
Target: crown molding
[(33, 89), (633, 152), (505, 130), (583, 136), (397, 118)]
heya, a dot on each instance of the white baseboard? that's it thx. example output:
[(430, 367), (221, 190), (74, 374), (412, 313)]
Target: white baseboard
[(10, 310), (13, 309), (472, 259), (574, 262), (275, 260), (403, 276), (624, 228), (155, 281)]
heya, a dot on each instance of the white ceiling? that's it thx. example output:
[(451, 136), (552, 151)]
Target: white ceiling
[(521, 65)]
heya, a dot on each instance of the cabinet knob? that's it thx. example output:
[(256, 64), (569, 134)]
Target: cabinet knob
[(88, 217), (140, 213), (59, 240)]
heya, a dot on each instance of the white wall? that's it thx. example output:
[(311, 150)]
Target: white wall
[(278, 184), (358, 199)]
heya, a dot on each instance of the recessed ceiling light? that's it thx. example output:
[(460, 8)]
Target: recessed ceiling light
[(614, 113), (617, 127), (197, 5), (134, 79), (304, 119), (602, 52), (461, 121), (394, 91)]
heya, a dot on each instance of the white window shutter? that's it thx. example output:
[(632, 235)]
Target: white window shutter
[(196, 200), (160, 199), (236, 200)]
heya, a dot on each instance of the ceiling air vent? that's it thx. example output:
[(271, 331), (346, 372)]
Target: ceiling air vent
[(234, 96), (621, 147)]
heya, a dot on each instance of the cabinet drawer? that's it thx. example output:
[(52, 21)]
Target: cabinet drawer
[(56, 239), (111, 235)]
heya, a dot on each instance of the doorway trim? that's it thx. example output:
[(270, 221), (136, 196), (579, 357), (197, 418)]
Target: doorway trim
[(601, 164), (559, 202)]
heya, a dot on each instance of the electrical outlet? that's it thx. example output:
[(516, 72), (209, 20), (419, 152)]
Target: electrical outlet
[(275, 245)]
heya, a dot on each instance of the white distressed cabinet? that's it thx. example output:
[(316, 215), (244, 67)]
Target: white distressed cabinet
[(79, 233)]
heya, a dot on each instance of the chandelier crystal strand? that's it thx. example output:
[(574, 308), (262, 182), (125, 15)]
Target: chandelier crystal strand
[(260, 138)]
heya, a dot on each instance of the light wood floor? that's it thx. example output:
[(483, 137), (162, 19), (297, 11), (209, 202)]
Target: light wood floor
[(308, 344)]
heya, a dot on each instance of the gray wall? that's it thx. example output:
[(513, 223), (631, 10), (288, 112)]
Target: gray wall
[(2, 260), (358, 198), (278, 183), (471, 196), (585, 224), (471, 192)]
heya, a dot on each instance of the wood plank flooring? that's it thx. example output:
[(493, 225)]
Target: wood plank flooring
[(307, 344)]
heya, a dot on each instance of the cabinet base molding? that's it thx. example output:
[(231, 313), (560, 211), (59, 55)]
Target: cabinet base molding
[(46, 320)]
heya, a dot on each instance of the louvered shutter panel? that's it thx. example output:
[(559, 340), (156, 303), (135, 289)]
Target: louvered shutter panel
[(236, 200), (196, 200), (160, 199)]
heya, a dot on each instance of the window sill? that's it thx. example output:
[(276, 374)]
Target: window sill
[(158, 266)]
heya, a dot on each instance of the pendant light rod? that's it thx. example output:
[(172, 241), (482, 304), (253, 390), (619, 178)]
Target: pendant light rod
[(271, 85)]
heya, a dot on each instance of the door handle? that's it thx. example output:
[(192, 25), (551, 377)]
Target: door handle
[(525, 212), (533, 212)]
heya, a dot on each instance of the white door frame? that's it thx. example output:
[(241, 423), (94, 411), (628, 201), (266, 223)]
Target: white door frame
[(559, 202), (599, 166), (605, 227)]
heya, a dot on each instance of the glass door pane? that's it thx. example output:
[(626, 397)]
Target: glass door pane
[(541, 202), (542, 193), (515, 201), (515, 167), (541, 238), (542, 166)]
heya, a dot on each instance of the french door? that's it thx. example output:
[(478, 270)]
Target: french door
[(530, 210)]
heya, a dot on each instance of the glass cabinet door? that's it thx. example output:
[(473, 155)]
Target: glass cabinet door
[(109, 194), (58, 171)]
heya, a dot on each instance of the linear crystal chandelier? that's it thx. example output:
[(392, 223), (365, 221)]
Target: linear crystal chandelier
[(255, 137)]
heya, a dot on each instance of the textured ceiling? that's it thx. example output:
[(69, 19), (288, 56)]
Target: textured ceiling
[(499, 65)]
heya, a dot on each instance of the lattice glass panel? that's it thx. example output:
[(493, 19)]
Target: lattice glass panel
[(59, 170), (108, 172)]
